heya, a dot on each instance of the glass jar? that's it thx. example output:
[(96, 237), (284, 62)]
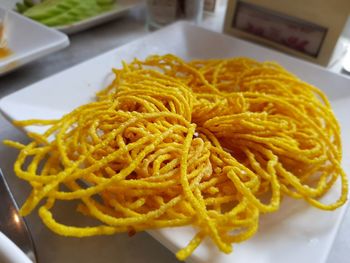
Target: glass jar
[(163, 12)]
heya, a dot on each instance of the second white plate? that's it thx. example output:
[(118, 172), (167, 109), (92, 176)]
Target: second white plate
[(120, 9), (28, 40)]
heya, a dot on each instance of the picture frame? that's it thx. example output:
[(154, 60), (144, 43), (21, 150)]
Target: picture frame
[(296, 27)]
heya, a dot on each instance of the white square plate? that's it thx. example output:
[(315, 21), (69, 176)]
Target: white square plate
[(118, 10), (28, 41), (297, 232)]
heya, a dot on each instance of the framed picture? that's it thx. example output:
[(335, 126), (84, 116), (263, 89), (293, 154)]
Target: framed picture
[(289, 25)]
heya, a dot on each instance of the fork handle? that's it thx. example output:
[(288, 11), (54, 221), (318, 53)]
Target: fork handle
[(10, 253)]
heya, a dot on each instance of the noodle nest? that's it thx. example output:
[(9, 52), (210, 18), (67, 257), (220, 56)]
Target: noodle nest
[(172, 143)]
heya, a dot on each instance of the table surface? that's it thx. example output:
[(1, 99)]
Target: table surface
[(118, 248)]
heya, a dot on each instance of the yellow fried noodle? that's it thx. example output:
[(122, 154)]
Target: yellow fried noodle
[(171, 143)]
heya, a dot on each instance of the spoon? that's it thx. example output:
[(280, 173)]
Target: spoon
[(13, 227)]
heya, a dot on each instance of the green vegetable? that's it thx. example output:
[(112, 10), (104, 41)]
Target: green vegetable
[(21, 7), (28, 3), (63, 12), (105, 2)]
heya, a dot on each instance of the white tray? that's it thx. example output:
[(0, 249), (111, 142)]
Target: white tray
[(297, 232)]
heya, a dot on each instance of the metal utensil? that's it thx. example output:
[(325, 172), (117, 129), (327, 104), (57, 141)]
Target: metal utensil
[(12, 224)]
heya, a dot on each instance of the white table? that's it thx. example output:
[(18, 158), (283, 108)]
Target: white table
[(119, 248)]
